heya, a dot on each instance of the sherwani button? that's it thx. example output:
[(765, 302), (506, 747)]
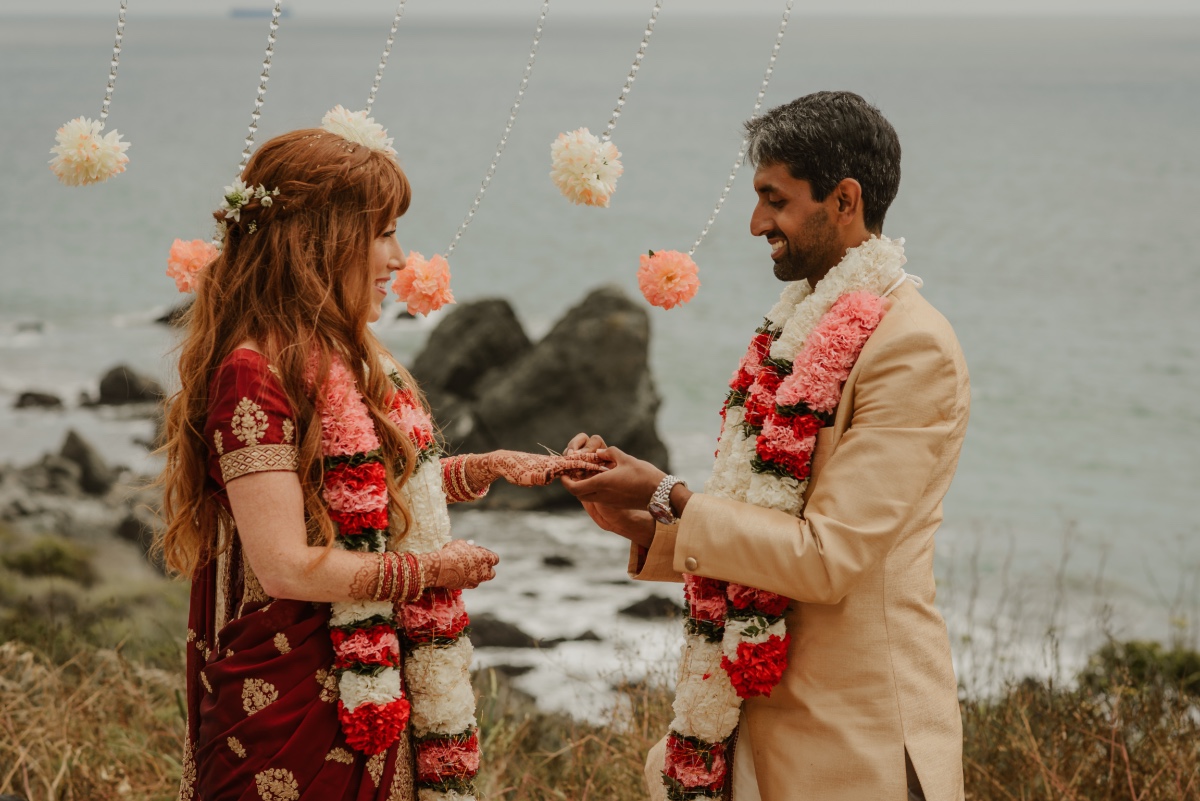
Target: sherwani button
[(690, 564)]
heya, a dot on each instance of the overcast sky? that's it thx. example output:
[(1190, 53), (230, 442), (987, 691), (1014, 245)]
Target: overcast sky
[(383, 8)]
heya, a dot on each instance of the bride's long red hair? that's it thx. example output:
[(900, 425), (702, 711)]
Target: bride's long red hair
[(294, 278)]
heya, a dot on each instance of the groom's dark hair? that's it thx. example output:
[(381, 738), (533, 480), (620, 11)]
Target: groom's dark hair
[(826, 137)]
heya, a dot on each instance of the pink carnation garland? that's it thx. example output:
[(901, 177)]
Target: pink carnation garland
[(786, 405)]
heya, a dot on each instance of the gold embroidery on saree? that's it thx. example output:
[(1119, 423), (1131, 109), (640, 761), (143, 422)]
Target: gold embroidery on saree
[(236, 746), (204, 681), (219, 442), (329, 685), (375, 767), (187, 781), (277, 784), (281, 642), (249, 422), (257, 695), (340, 755), (289, 431), (402, 788), (259, 459)]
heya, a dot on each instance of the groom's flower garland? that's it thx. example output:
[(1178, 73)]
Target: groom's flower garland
[(786, 387), (372, 707)]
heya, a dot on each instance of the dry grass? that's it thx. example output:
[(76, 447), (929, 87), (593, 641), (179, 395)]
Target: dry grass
[(92, 728), (100, 727)]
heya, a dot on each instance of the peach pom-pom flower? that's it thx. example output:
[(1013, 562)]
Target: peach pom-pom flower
[(424, 285), (585, 169), (186, 260), (668, 278), (83, 156)]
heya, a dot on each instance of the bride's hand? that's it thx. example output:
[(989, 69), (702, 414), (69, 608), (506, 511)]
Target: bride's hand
[(530, 469), (459, 565)]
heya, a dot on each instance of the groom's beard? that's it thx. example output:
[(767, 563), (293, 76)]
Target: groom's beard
[(812, 253)]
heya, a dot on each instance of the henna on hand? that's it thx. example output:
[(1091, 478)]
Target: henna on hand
[(458, 566), (365, 584), (537, 470)]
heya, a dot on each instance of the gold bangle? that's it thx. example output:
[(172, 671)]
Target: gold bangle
[(402, 566), (378, 594), (420, 576)]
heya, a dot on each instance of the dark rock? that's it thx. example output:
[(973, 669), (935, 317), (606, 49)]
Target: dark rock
[(652, 607), (175, 315), (122, 385), (38, 400), (136, 530), (554, 560), (53, 475), (472, 340), (488, 631), (96, 477), (29, 327), (588, 636), (590, 373)]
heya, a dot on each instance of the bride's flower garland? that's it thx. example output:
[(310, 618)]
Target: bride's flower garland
[(786, 387), (367, 640), (437, 652)]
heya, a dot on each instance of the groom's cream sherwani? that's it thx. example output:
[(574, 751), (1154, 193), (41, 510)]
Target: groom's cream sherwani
[(869, 675)]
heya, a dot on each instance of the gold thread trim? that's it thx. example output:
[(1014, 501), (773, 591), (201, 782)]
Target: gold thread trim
[(259, 459)]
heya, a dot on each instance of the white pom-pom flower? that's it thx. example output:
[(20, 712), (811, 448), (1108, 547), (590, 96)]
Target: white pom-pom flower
[(706, 705), (357, 127), (84, 156), (585, 169), (357, 690), (440, 681)]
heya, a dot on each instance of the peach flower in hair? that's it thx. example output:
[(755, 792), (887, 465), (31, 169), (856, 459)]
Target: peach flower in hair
[(424, 284), (667, 278), (186, 260)]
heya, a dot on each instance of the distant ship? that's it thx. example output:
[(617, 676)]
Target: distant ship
[(256, 13)]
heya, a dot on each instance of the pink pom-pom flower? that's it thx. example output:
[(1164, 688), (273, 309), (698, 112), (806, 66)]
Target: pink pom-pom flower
[(186, 260), (668, 278), (424, 284)]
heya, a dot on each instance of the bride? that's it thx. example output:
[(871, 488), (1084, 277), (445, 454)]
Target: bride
[(305, 496)]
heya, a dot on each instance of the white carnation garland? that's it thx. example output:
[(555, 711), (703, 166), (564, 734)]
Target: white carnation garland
[(707, 705)]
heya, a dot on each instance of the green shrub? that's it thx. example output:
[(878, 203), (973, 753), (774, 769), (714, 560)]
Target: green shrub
[(51, 556)]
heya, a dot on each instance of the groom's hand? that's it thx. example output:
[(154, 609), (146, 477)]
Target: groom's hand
[(635, 525), (628, 484)]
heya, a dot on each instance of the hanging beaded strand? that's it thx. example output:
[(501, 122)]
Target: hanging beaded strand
[(383, 59), (741, 155), (586, 168), (265, 76), (512, 118), (81, 154), (633, 71), (435, 272), (669, 278)]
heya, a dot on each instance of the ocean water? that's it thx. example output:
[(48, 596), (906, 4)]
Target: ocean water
[(1049, 203)]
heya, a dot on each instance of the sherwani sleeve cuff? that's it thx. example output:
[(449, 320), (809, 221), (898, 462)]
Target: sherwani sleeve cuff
[(656, 563)]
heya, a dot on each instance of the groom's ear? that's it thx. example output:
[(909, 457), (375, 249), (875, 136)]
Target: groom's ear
[(846, 201)]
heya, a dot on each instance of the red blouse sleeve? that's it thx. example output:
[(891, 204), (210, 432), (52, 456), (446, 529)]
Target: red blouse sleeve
[(250, 427)]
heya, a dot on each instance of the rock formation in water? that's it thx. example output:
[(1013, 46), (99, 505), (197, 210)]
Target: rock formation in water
[(491, 388)]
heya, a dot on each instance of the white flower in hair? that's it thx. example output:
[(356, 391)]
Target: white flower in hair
[(585, 169), (83, 156), (357, 127)]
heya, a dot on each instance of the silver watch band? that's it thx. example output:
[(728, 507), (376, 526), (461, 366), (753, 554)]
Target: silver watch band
[(662, 496)]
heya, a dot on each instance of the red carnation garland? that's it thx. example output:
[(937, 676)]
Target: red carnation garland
[(784, 406)]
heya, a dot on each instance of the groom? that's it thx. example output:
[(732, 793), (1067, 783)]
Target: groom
[(828, 485)]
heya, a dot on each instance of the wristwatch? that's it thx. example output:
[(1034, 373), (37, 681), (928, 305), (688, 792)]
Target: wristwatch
[(660, 501)]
